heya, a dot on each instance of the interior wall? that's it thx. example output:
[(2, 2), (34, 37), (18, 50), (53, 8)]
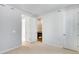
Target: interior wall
[(53, 28), (72, 28), (61, 28), (10, 28)]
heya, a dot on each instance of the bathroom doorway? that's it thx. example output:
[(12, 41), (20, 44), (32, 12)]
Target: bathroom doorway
[(39, 29)]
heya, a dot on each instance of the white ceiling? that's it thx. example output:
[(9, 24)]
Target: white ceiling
[(38, 9)]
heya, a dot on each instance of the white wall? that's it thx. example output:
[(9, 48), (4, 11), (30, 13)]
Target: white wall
[(72, 28), (10, 28), (53, 28), (62, 28)]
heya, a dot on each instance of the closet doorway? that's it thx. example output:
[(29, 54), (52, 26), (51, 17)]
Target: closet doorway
[(39, 29)]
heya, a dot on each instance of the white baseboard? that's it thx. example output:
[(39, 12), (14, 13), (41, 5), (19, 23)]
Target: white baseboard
[(2, 52), (31, 41), (76, 50)]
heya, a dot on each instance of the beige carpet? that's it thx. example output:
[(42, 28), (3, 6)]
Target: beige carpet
[(39, 48)]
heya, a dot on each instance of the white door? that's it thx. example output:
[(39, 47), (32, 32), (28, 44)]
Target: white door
[(77, 29), (33, 30), (29, 28), (25, 28), (69, 41)]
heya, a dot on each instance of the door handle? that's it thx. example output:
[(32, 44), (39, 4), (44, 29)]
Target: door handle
[(65, 34)]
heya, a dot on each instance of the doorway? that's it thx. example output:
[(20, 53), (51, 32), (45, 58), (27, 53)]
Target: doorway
[(23, 29), (39, 29)]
